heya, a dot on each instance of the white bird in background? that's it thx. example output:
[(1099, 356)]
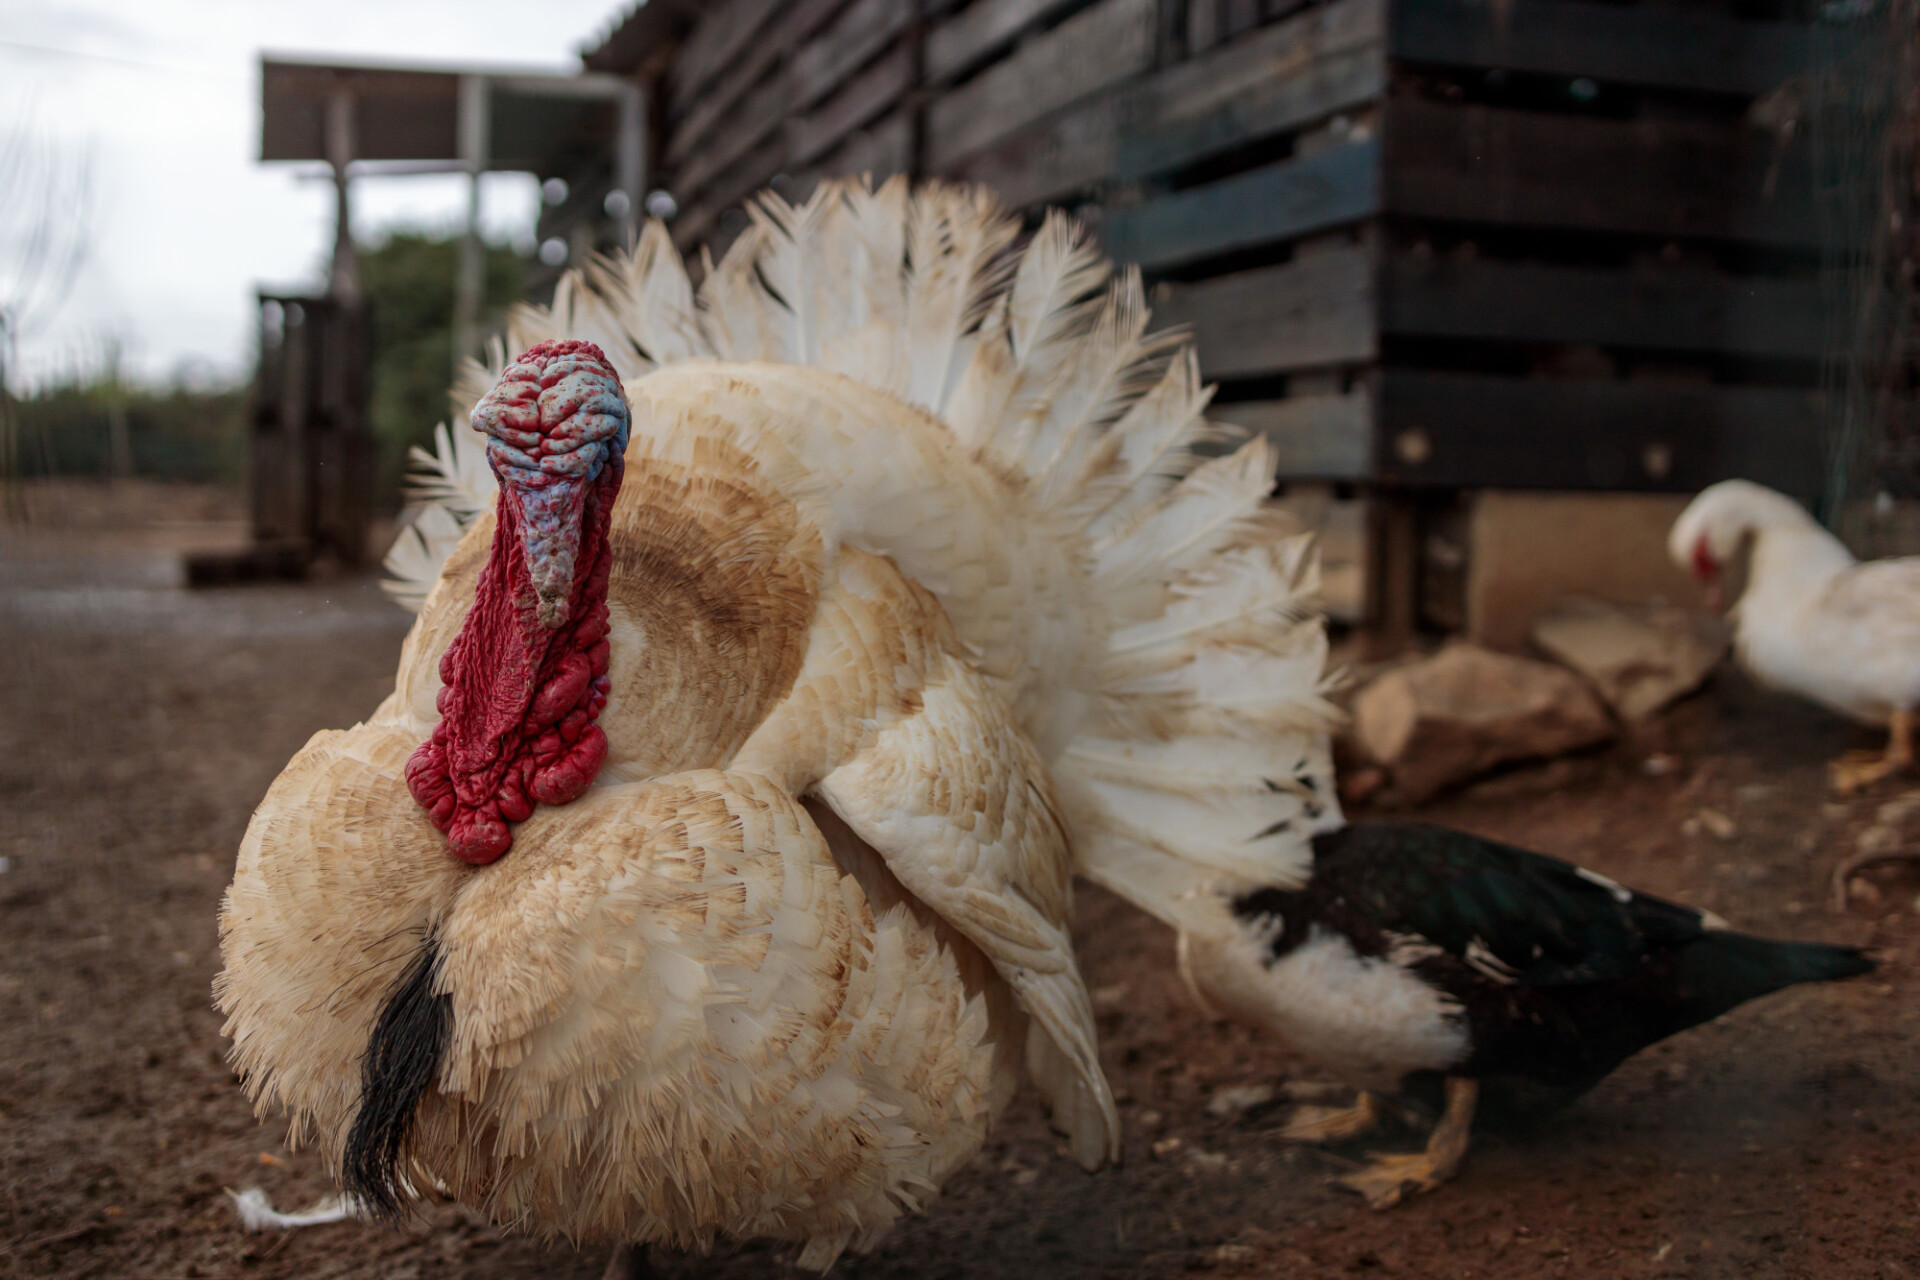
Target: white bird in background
[(1813, 620), (768, 709)]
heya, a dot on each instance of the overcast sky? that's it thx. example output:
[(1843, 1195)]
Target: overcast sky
[(161, 98)]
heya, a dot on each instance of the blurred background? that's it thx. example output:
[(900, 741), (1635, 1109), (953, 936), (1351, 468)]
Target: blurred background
[(1504, 281), (1485, 272)]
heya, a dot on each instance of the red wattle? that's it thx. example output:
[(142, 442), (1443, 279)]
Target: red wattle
[(519, 698), (1705, 567)]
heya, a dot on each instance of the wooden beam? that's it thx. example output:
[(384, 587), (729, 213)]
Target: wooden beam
[(860, 31), (861, 99), (1318, 437), (719, 38), (796, 22), (1657, 177), (1667, 47), (1467, 431), (1533, 302), (879, 151), (1109, 42), (1311, 313), (1276, 80), (979, 30), (1330, 188)]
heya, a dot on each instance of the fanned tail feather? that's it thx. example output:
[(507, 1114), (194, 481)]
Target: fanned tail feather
[(1198, 763)]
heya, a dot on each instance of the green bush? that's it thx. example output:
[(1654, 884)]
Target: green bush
[(408, 281)]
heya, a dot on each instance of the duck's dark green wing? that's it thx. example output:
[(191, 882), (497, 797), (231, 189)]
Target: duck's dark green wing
[(1537, 920), (1559, 973)]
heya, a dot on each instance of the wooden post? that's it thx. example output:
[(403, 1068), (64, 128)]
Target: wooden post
[(630, 168), (469, 282), (344, 280), (1393, 572)]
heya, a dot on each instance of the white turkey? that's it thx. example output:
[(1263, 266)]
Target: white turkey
[(707, 871)]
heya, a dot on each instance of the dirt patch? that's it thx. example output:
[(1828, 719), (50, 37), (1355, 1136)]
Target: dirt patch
[(140, 724)]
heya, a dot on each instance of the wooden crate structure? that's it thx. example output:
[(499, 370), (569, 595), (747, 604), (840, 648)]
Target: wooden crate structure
[(309, 446), (1428, 246)]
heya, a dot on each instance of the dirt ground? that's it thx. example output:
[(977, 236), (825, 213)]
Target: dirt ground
[(139, 723)]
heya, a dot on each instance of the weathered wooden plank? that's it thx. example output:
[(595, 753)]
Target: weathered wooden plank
[(747, 175), (860, 31), (979, 30), (866, 96), (1109, 42), (1338, 185), (1466, 431), (1661, 311), (1680, 178), (1274, 81), (1310, 313), (879, 151), (715, 41), (759, 117), (1203, 26), (1319, 437), (794, 24), (1671, 47)]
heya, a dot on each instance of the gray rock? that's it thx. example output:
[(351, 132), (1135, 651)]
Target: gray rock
[(1638, 659), (1446, 719)]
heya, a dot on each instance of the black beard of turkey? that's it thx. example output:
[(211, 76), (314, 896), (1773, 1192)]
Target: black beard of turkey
[(401, 1062)]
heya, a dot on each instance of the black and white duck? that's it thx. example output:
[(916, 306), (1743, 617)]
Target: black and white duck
[(1417, 961)]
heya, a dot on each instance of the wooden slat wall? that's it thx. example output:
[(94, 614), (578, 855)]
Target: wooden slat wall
[(1648, 309), (1330, 188), (1319, 437), (1232, 147), (1312, 313), (1110, 42), (1274, 81), (1487, 432), (1699, 179)]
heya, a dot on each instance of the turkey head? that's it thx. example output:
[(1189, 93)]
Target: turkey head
[(524, 681)]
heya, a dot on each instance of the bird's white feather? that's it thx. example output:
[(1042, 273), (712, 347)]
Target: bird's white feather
[(1174, 679)]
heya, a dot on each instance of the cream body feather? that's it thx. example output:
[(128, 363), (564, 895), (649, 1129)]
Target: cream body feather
[(920, 602)]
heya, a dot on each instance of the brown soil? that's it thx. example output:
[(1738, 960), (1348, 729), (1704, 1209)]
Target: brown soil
[(140, 723)]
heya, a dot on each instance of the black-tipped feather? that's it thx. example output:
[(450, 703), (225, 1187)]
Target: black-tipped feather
[(1560, 974), (401, 1062)]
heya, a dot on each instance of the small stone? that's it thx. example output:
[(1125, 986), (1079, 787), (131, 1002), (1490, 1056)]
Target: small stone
[(1899, 809), (1230, 1100), (1167, 1148), (1639, 659), (1440, 721), (1864, 891), (1150, 1119), (1716, 824), (1207, 1161), (1317, 1092), (1109, 998), (1660, 765), (1877, 839)]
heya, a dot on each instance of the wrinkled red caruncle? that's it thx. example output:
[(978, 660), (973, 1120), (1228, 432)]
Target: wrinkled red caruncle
[(526, 678)]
